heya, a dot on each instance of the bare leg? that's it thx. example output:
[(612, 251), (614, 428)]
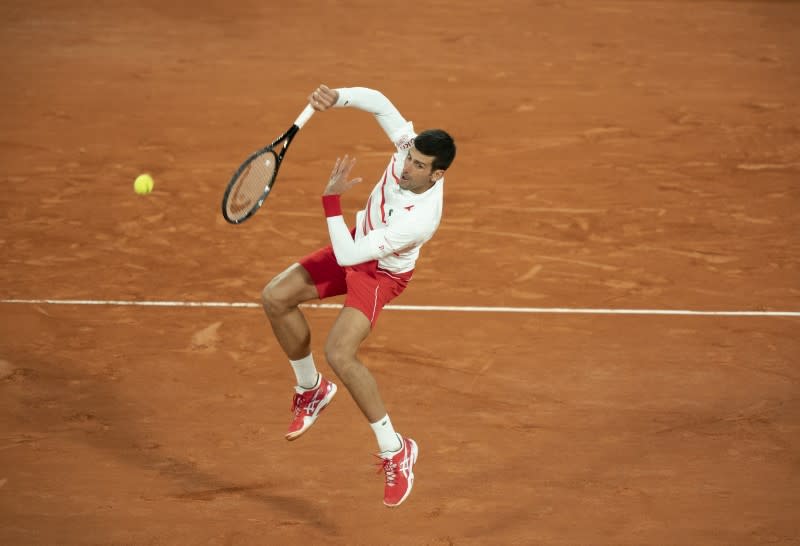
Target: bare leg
[(280, 299), (350, 329)]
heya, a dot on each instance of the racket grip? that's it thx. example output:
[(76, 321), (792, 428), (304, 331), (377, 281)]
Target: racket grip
[(304, 116)]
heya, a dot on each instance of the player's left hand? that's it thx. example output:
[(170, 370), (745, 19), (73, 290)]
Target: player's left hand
[(338, 182)]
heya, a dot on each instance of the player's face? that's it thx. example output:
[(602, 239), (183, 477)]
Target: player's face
[(418, 174)]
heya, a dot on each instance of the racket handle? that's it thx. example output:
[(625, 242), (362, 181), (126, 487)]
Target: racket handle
[(304, 116)]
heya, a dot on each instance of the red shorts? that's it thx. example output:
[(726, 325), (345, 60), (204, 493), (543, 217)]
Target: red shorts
[(368, 288)]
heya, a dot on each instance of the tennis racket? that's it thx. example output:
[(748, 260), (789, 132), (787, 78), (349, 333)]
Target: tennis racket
[(253, 180)]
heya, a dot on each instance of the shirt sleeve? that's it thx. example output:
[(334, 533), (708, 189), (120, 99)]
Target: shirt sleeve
[(378, 243), (399, 131), (347, 251)]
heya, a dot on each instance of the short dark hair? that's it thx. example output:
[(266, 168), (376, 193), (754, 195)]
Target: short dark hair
[(439, 145)]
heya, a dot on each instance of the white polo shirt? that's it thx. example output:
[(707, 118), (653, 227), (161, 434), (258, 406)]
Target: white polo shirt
[(395, 222)]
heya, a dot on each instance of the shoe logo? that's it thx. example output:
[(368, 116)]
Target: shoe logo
[(309, 404), (405, 466), (391, 468), (314, 402)]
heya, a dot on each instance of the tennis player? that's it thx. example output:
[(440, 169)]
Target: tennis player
[(372, 264)]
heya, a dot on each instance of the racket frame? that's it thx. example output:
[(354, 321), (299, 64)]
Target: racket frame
[(286, 138)]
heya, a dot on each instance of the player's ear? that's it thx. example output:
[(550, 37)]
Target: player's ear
[(436, 175)]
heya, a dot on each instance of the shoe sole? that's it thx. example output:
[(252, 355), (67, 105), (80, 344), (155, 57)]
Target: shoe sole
[(322, 405), (414, 454)]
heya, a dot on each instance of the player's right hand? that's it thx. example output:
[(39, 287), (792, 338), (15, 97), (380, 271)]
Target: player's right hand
[(323, 97)]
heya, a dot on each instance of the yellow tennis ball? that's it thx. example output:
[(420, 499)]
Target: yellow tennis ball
[(143, 184)]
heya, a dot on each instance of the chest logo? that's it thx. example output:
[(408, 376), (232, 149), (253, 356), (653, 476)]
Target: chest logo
[(409, 207)]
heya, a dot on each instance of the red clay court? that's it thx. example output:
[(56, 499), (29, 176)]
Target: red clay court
[(614, 156)]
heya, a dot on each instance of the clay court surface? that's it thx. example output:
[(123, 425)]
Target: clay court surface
[(612, 155)]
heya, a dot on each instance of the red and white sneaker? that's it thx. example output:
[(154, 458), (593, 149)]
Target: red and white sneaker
[(399, 469), (307, 405)]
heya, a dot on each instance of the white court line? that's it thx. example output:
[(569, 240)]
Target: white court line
[(452, 308)]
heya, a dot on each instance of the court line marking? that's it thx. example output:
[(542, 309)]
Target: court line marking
[(446, 308)]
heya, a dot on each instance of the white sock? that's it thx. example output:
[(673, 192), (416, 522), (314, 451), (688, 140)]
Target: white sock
[(388, 439), (306, 372)]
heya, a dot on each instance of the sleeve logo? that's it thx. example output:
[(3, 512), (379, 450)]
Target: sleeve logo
[(404, 143)]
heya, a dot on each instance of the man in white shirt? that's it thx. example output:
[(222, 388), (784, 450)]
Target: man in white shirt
[(371, 263)]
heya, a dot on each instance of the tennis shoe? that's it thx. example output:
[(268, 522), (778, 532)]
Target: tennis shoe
[(399, 469), (307, 404)]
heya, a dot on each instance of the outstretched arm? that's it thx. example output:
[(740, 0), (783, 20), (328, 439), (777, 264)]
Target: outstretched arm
[(347, 251), (363, 98)]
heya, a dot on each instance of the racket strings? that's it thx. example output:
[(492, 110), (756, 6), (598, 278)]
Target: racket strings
[(250, 186)]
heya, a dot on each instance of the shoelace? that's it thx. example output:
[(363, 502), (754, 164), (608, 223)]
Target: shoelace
[(389, 467), (297, 403)]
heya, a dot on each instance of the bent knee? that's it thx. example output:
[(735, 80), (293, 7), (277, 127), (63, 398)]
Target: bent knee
[(287, 290), (340, 355), (274, 298)]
